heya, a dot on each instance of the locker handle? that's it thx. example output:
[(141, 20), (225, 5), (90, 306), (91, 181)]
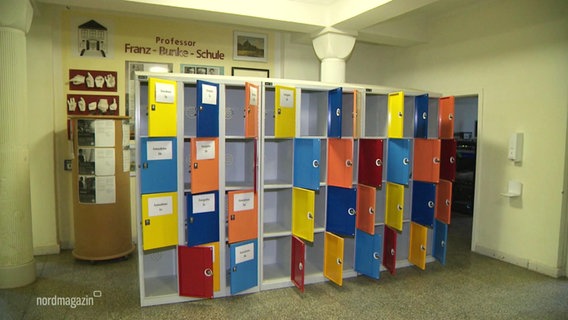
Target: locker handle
[(190, 219), (376, 256), (378, 162), (235, 269), (300, 266), (339, 261), (195, 165), (147, 222), (436, 160), (315, 164), (310, 216), (400, 114), (392, 252), (443, 243), (145, 165), (153, 107), (452, 160), (233, 217), (351, 211), (405, 161), (338, 112), (422, 247), (447, 202), (371, 210), (424, 115), (430, 204), (348, 163), (450, 116), (399, 207), (208, 272), (200, 108), (279, 111)]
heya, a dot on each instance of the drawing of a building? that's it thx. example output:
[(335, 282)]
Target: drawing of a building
[(93, 37)]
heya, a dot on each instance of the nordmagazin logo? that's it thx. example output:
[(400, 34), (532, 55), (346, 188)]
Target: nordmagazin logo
[(72, 302)]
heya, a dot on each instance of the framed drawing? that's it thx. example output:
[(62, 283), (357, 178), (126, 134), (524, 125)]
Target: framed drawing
[(250, 46), (250, 72), (202, 69)]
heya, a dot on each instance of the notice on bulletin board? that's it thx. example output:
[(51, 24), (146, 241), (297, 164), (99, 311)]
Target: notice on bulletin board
[(244, 253), (104, 133), (96, 161), (97, 190)]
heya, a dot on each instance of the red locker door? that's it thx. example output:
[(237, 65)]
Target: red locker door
[(389, 250), (366, 204), (446, 118), (195, 265), (340, 163), (444, 201), (426, 164), (448, 159), (298, 262), (371, 162)]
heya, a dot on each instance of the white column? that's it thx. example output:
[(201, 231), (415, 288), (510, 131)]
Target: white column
[(333, 47), (17, 264)]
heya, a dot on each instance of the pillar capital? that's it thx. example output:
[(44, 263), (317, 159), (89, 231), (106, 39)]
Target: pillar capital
[(16, 14), (333, 47)]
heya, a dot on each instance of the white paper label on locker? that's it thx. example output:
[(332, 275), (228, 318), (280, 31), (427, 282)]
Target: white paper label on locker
[(165, 93), (253, 96), (205, 150), (208, 94), (159, 150), (243, 201), (244, 253), (160, 206), (286, 98), (203, 203)]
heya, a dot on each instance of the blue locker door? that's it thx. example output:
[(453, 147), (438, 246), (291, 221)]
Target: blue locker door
[(423, 203), (341, 204), (158, 167), (368, 254), (398, 161), (421, 116), (440, 240), (202, 218), (244, 265), (334, 112), (306, 163), (207, 109)]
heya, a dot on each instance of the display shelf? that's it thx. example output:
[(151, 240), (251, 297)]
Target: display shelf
[(277, 211), (189, 109), (278, 161), (314, 257), (380, 203), (239, 163), (347, 113), (375, 116), (313, 113), (234, 110), (276, 260), (269, 94), (142, 112), (320, 205), (408, 129), (160, 272)]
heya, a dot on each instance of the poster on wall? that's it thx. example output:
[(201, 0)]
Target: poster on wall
[(88, 104), (92, 80), (91, 38), (250, 46), (202, 69), (97, 190), (95, 133)]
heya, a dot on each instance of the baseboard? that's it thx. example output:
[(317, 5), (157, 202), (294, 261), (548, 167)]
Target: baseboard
[(45, 250), (521, 262)]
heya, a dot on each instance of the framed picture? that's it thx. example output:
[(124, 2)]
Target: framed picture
[(250, 46), (202, 69), (250, 72)]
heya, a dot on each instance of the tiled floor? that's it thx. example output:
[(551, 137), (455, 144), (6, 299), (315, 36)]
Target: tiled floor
[(470, 286)]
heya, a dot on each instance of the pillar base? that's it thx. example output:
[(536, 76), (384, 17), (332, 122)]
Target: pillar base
[(18, 276)]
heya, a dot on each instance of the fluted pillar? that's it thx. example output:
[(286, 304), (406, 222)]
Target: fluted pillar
[(17, 264), (333, 47)]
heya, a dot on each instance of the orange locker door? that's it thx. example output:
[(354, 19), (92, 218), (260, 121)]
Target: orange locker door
[(252, 100), (444, 201), (426, 164), (333, 258), (395, 206), (204, 164), (366, 205), (446, 118), (243, 217), (340, 163), (417, 247)]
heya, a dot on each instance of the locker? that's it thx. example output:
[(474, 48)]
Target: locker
[(357, 98), (216, 264), (398, 155), (333, 258), (446, 118), (207, 109), (159, 220), (202, 218), (158, 167), (204, 165), (244, 265), (243, 215), (307, 163), (334, 112), (298, 262), (417, 247), (341, 210), (368, 254), (252, 103), (389, 249), (444, 201), (340, 162), (448, 159), (394, 206), (285, 112), (423, 203), (371, 162), (366, 208), (421, 116), (195, 265), (395, 114), (303, 213), (440, 239), (426, 163), (162, 108)]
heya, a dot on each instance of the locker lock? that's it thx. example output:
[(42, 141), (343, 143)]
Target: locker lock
[(232, 217), (153, 107), (195, 165), (399, 207), (351, 211), (450, 116), (400, 114), (300, 266), (392, 252), (436, 160), (339, 261), (348, 163), (430, 204), (405, 161), (424, 115), (279, 111), (200, 108), (338, 112), (443, 243), (208, 272), (371, 210), (422, 247), (447, 202), (376, 256), (147, 222), (378, 162), (452, 160), (310, 216), (190, 219), (315, 164), (145, 165), (235, 269)]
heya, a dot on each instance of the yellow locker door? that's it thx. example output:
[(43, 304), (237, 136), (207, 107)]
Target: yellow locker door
[(417, 247), (285, 112), (162, 108), (395, 206), (159, 220), (216, 264), (395, 114), (333, 258), (303, 215)]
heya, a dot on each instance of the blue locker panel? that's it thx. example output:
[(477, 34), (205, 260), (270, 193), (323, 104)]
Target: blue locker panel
[(368, 254), (421, 116), (202, 218), (334, 112), (244, 265), (341, 204), (440, 240), (423, 203), (207, 109), (398, 161), (306, 163), (158, 165)]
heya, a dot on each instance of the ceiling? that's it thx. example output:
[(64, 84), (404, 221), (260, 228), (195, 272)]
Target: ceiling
[(387, 22)]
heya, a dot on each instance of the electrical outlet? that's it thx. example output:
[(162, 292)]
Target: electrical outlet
[(67, 165)]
